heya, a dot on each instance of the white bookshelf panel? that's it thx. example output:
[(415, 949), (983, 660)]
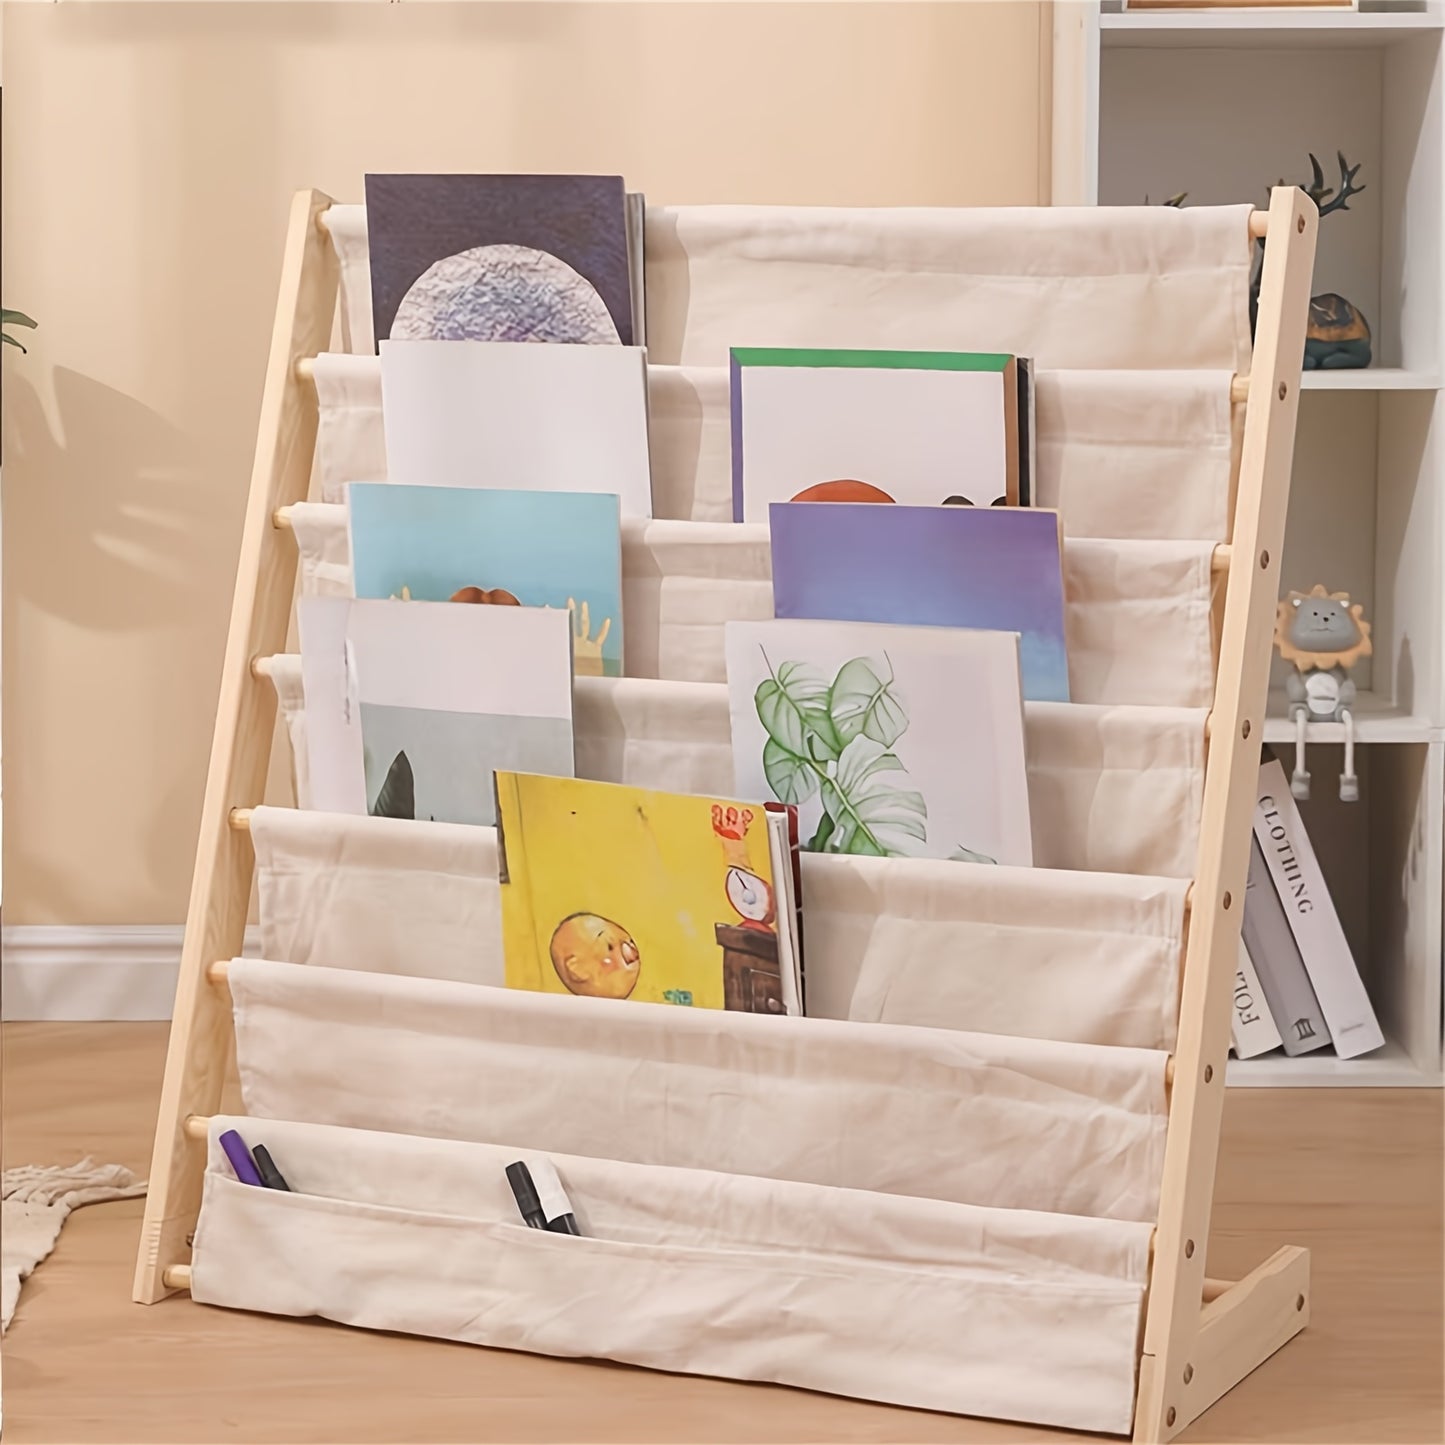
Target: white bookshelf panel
[(1221, 104), (1379, 857), (1377, 720), (1171, 120), (1372, 378), (1258, 29), (1366, 516)]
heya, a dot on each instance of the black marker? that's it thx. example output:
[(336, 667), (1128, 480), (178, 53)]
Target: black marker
[(271, 1176), (525, 1193)]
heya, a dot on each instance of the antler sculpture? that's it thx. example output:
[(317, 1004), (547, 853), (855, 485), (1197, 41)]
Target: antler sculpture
[(1338, 334), (1320, 193)]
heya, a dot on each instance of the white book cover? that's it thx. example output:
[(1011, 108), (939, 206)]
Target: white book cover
[(524, 415), (1252, 1028), (1312, 917), (918, 427), (892, 741), (411, 706)]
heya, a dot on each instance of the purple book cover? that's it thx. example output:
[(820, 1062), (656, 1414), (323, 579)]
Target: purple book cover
[(993, 569), (499, 258)]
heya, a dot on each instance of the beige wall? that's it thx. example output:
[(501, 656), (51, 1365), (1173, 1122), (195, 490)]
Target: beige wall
[(149, 156)]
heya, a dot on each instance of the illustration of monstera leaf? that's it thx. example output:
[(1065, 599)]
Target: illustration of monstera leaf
[(869, 813), (967, 855), (397, 798), (862, 704), (792, 705)]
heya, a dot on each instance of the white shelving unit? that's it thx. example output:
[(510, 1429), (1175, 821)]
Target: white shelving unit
[(1222, 104)]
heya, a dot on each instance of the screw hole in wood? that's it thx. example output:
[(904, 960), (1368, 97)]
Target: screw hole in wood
[(1283, 390), (1299, 1302), (1264, 559), (1244, 731), (1208, 1072), (1228, 899), (1188, 1373), (1188, 1249), (1170, 1416), (1299, 225)]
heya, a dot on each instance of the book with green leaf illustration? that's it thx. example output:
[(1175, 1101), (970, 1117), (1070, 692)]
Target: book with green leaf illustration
[(900, 742)]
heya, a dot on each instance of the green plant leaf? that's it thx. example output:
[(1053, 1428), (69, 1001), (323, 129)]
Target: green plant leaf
[(11, 341), (818, 843), (967, 855), (872, 814), (789, 702), (17, 318), (862, 703), (397, 797), (790, 776)]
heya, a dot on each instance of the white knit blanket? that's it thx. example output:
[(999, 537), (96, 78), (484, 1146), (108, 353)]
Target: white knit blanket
[(34, 1203)]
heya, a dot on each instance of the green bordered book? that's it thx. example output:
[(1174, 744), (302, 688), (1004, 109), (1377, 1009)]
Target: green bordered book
[(919, 427)]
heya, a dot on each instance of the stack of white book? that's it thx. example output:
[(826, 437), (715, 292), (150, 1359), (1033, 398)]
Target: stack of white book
[(1297, 986)]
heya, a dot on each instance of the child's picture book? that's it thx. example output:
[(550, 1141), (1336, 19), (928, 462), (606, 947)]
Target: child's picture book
[(410, 707), (999, 569), (891, 741), (527, 418), (611, 891), (498, 548), (499, 258), (919, 427)]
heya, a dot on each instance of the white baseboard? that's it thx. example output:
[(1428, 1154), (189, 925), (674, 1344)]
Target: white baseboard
[(91, 974)]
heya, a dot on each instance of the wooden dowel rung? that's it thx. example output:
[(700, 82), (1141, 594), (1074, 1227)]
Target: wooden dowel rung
[(195, 1126), (218, 971), (240, 819), (1239, 389), (281, 517), (176, 1276), (1219, 561), (1213, 1288), (306, 369), (1258, 224), (261, 667)]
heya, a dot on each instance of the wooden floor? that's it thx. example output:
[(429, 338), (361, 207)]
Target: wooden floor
[(1355, 1175)]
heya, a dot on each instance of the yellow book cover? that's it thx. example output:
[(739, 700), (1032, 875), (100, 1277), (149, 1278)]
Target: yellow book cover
[(619, 892)]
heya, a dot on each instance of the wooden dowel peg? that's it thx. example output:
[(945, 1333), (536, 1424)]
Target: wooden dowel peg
[(306, 369), (195, 1126), (1258, 224), (1220, 559), (281, 518), (176, 1276), (218, 971), (261, 667), (240, 819), (1239, 389)]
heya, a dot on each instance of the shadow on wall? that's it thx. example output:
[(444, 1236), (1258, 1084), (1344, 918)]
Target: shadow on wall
[(109, 503), (114, 497)]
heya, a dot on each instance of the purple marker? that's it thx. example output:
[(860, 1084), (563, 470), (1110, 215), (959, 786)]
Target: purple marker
[(240, 1158)]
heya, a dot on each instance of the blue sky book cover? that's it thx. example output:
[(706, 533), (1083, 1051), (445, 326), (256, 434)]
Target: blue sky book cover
[(500, 548)]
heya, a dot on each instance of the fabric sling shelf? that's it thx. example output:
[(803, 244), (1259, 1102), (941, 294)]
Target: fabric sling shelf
[(983, 1187)]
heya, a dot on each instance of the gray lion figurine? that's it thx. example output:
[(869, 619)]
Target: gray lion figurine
[(1323, 634)]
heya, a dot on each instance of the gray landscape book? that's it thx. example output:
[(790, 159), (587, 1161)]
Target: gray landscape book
[(1276, 957)]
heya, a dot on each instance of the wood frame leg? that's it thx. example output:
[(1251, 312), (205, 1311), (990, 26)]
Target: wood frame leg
[(240, 751), (1242, 1328)]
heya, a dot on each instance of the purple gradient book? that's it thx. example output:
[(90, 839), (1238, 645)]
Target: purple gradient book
[(992, 569)]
